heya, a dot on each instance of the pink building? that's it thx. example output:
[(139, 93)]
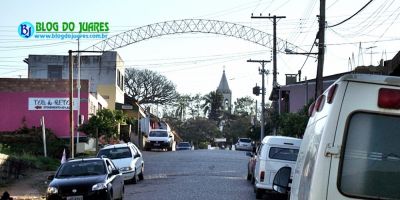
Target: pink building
[(25, 101)]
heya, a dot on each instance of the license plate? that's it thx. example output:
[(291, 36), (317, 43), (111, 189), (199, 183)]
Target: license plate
[(75, 198), (156, 144)]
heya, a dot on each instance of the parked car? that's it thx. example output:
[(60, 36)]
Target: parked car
[(244, 144), (274, 153), (183, 146), (350, 148), (159, 139), (128, 159), (87, 178)]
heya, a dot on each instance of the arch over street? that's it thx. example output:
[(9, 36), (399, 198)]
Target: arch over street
[(192, 26)]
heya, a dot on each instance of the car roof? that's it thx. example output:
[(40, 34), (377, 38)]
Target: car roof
[(369, 78), (85, 159), (117, 146), (280, 140)]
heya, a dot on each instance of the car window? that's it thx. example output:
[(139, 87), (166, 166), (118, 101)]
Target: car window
[(116, 153), (158, 134), (184, 144), (245, 140), (283, 153), (81, 168), (370, 165)]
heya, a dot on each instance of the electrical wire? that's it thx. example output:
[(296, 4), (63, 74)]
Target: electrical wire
[(351, 16)]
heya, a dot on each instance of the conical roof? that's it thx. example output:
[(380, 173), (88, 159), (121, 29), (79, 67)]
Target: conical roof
[(223, 84)]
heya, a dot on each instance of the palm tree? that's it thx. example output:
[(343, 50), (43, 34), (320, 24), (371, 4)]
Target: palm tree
[(213, 105), (181, 105)]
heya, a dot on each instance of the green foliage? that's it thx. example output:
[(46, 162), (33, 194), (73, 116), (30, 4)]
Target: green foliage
[(235, 127), (294, 124), (106, 121), (30, 141), (244, 106), (213, 105)]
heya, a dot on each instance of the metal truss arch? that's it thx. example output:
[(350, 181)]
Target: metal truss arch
[(192, 26)]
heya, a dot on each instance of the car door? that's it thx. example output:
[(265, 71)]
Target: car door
[(137, 160), (116, 180)]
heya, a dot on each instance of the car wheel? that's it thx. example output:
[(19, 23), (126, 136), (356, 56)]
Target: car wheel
[(135, 178), (109, 195), (141, 176), (248, 174)]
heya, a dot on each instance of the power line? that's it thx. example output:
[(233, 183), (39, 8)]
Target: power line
[(351, 16)]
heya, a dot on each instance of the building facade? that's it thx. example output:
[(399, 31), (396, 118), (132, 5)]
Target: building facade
[(24, 102), (105, 73)]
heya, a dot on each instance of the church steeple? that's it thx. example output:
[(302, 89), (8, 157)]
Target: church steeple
[(223, 88)]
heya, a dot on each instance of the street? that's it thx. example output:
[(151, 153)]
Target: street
[(199, 174)]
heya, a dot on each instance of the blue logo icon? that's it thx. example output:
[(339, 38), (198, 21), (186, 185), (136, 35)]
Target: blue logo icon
[(26, 30)]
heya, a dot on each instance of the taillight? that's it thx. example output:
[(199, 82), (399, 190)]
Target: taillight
[(311, 109), (319, 104), (389, 98), (331, 93), (262, 175)]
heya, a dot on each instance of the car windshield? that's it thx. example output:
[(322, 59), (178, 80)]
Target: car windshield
[(245, 140), (184, 144), (115, 153), (283, 153), (81, 168), (158, 134)]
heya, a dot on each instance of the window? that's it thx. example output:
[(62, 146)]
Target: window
[(283, 153), (116, 153), (54, 71), (158, 134), (370, 167)]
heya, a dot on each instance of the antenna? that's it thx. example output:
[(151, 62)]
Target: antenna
[(370, 48), (360, 54)]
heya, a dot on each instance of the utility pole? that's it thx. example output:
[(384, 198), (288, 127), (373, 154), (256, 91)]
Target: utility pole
[(262, 72), (274, 70), (71, 99), (321, 50)]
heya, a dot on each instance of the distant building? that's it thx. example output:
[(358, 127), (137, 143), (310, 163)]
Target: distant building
[(105, 73), (295, 95), (223, 88)]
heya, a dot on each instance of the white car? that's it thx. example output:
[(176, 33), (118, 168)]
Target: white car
[(244, 144), (274, 153), (159, 139), (127, 158)]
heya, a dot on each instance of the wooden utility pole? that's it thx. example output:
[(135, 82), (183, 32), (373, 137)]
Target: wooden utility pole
[(321, 50)]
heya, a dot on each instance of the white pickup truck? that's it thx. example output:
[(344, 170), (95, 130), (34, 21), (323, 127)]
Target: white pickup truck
[(159, 139)]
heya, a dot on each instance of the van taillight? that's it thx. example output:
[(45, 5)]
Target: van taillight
[(389, 98), (262, 175), (331, 93), (311, 109), (319, 104)]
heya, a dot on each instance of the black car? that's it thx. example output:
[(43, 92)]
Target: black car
[(88, 178)]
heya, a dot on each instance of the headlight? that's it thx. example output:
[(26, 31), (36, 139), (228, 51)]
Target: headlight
[(52, 190), (125, 169), (99, 186)]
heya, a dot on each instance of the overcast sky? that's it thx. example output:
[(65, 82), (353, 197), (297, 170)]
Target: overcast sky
[(194, 62)]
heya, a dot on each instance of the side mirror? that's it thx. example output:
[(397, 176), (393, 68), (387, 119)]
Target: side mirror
[(50, 178), (136, 156), (249, 154), (170, 136), (146, 136), (115, 172), (282, 180)]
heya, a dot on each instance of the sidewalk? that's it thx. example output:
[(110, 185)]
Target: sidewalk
[(31, 186)]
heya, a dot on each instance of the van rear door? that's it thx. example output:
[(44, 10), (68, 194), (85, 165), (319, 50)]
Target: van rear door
[(368, 137)]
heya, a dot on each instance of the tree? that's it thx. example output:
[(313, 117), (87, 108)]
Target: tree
[(106, 121), (195, 105), (181, 104), (244, 106), (149, 87), (199, 130), (213, 105)]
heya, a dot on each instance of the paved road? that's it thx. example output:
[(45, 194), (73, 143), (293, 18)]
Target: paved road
[(199, 174)]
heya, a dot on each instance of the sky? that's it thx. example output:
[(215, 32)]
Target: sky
[(194, 62)]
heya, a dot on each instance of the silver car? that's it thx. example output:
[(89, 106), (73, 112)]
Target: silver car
[(244, 144)]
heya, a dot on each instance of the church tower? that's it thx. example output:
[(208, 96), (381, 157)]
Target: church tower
[(223, 88)]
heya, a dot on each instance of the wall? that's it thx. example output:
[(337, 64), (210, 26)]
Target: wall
[(14, 104)]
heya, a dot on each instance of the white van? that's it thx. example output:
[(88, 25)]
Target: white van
[(351, 146), (274, 153)]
